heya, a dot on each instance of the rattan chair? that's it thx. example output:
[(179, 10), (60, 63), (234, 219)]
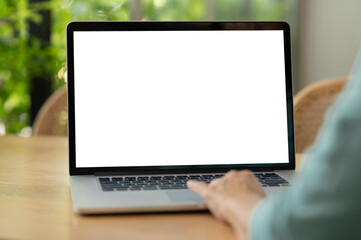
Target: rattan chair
[(52, 118), (310, 106)]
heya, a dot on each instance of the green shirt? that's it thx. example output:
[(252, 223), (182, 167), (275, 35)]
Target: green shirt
[(325, 201)]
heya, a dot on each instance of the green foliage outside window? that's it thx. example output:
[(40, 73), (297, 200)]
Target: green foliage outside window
[(23, 57)]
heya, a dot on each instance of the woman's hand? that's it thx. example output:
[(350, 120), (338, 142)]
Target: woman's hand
[(231, 199)]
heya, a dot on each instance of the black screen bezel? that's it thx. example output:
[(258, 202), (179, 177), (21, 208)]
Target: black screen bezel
[(179, 26)]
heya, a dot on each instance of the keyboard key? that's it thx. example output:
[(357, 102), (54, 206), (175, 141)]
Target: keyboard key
[(104, 179), (207, 176), (150, 187), (120, 188), (142, 184), (139, 181), (165, 181), (181, 177), (218, 175), (135, 188), (142, 178), (270, 174), (125, 184), (168, 177), (117, 179), (130, 178), (180, 181), (155, 178), (110, 184), (194, 177)]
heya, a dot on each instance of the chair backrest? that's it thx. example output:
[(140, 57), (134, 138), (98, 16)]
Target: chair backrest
[(52, 118), (310, 106)]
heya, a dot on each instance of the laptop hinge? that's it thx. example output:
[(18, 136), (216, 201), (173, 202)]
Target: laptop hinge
[(163, 173), (115, 173)]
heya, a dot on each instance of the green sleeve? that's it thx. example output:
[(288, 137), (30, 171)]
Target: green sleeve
[(325, 201)]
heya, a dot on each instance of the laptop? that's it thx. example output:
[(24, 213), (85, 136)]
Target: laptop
[(154, 104)]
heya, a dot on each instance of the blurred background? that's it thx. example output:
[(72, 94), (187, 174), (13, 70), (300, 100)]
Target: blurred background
[(326, 37)]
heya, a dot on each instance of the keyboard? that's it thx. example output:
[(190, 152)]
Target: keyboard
[(168, 182)]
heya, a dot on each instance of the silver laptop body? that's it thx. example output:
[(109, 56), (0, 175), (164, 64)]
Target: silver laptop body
[(153, 104)]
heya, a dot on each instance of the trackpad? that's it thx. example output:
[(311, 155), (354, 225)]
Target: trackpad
[(184, 196)]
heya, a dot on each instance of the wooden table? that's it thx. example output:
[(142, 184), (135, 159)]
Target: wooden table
[(35, 202)]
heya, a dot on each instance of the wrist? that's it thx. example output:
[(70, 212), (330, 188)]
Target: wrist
[(239, 216)]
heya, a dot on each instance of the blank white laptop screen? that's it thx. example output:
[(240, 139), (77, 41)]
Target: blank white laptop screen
[(155, 98)]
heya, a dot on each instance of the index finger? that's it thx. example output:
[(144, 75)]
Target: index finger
[(199, 187)]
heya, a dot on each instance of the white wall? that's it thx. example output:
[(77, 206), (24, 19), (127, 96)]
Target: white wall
[(329, 39)]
